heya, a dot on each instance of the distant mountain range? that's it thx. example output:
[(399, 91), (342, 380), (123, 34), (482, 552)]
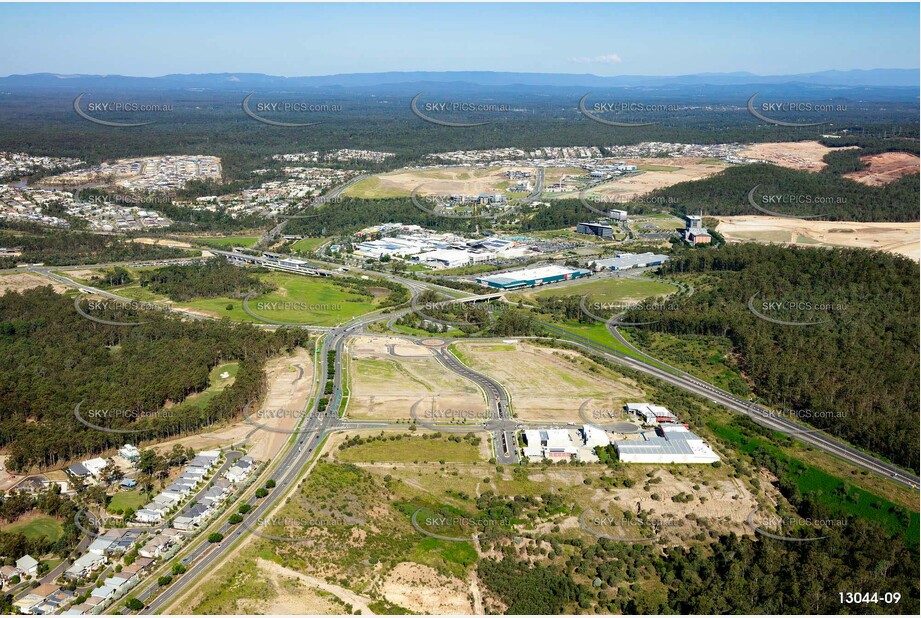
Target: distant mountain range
[(873, 78)]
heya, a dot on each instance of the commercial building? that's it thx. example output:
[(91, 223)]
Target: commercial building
[(594, 436), (548, 444), (668, 444), (651, 414), (617, 215), (452, 258), (695, 232), (532, 277), (626, 261), (602, 230)]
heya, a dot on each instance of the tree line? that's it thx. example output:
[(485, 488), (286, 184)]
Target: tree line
[(134, 378)]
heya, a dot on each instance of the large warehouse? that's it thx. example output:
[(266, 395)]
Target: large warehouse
[(669, 444), (626, 261), (531, 277)]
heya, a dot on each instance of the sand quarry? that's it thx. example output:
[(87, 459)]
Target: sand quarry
[(681, 170), (795, 155), (19, 282), (902, 238), (885, 168)]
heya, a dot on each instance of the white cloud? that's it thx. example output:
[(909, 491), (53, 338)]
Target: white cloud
[(602, 59)]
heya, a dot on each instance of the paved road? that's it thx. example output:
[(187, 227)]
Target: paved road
[(273, 234), (760, 415), (763, 416), (307, 440), (497, 401)]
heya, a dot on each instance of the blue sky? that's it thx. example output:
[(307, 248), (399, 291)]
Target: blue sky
[(321, 39)]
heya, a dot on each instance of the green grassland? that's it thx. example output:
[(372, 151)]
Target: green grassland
[(657, 168), (829, 490), (300, 300), (306, 245), (124, 500), (610, 289), (410, 450), (225, 242), (371, 189), (37, 528), (216, 384)]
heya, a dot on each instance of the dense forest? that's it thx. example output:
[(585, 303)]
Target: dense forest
[(212, 123), (817, 193), (52, 359), (40, 244), (854, 374), (212, 278)]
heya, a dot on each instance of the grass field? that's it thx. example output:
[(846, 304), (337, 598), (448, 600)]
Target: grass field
[(216, 384), (298, 299), (409, 450), (226, 242), (36, 528), (307, 245), (830, 491), (609, 290), (124, 500), (555, 384)]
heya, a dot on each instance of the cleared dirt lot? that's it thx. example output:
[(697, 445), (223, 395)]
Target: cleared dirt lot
[(439, 181), (795, 155), (19, 282), (886, 167), (660, 173), (389, 375), (901, 238), (545, 384)]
